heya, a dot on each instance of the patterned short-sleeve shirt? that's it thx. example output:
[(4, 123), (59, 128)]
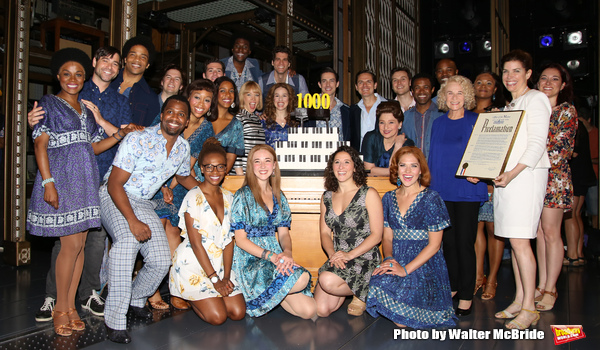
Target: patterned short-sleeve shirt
[(143, 154)]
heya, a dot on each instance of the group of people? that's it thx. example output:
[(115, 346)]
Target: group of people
[(227, 255)]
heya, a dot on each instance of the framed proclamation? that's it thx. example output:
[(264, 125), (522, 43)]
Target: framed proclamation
[(490, 144)]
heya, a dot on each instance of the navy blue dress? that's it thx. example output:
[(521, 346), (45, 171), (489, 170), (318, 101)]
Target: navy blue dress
[(423, 298)]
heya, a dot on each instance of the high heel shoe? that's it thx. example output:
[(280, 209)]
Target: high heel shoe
[(479, 283), (514, 324), (490, 291), (76, 325), (356, 307), (507, 314), (539, 297), (542, 306), (64, 330)]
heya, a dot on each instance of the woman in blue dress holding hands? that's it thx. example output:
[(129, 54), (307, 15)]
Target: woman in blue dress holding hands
[(267, 273), (411, 286)]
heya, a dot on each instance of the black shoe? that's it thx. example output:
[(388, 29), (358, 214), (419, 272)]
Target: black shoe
[(94, 304), (44, 314), (118, 336), (463, 312), (142, 312)]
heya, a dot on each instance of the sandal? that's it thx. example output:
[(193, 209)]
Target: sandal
[(158, 305), (542, 306), (570, 262), (507, 314), (356, 307), (76, 325), (539, 297), (582, 261), (490, 290), (514, 324), (63, 330), (480, 283)]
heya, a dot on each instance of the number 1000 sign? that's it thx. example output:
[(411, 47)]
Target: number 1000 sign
[(314, 101)]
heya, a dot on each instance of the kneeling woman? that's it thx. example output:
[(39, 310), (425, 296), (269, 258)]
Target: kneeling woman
[(354, 250), (267, 273), (411, 287), (201, 271)]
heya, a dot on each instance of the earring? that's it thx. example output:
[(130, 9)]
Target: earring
[(493, 97), (398, 182), (233, 105), (208, 113)]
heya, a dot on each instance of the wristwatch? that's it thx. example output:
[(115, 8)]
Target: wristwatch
[(214, 279)]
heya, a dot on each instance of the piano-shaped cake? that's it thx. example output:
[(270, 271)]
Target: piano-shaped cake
[(307, 148)]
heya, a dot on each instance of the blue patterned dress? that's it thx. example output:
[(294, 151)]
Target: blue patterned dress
[(422, 299), (262, 285), (196, 141), (275, 133), (232, 140), (72, 165)]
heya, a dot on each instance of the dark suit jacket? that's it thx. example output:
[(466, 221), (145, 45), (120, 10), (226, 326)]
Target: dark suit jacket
[(351, 126)]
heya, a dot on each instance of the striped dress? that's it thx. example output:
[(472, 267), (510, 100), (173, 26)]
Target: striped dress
[(254, 134)]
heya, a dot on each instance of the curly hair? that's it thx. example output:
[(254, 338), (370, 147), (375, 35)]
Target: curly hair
[(140, 40), (270, 109), (274, 180), (247, 87), (206, 85), (392, 107), (211, 146), (467, 88), (234, 108), (498, 100), (360, 174), (70, 54), (425, 178)]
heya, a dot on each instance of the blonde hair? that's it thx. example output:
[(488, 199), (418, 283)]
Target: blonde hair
[(467, 88), (247, 87), (275, 180)]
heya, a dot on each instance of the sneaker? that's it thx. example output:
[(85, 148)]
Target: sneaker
[(44, 314), (94, 304)]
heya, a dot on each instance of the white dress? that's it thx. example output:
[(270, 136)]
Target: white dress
[(187, 279), (518, 206)]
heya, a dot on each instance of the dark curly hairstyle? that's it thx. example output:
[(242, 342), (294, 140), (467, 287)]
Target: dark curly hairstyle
[(70, 54), (425, 178), (498, 100), (211, 146), (360, 174), (206, 85), (140, 40), (270, 109), (566, 94), (236, 99)]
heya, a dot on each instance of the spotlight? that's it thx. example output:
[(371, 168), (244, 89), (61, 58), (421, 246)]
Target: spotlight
[(465, 47), (484, 47), (573, 64), (546, 40), (578, 67), (575, 39), (444, 49)]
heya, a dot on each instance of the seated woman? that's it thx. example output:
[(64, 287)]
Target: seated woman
[(228, 129), (254, 134), (266, 271), (201, 271), (380, 144), (411, 287), (280, 102), (354, 250)]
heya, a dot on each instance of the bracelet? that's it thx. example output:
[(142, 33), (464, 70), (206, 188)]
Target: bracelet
[(269, 256), (119, 133), (214, 272), (47, 181), (264, 253), (118, 139), (388, 258), (406, 272)]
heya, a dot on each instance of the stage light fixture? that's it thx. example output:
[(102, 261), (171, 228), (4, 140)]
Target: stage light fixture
[(577, 67), (465, 47), (546, 40), (575, 39), (444, 49), (573, 64), (487, 45), (484, 47)]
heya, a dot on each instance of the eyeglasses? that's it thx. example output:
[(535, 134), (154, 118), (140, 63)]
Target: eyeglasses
[(220, 167)]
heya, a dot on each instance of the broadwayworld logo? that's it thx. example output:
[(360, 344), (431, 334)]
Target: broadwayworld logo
[(564, 334)]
